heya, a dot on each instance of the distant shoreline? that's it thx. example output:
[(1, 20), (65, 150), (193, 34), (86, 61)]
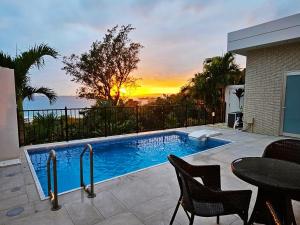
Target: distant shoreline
[(41, 102)]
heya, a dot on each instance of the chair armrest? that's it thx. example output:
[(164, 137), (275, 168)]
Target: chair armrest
[(210, 175)]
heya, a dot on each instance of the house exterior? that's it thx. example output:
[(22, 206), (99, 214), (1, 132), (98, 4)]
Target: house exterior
[(272, 84)]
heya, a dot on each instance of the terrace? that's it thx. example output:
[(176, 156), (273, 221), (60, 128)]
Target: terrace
[(140, 198)]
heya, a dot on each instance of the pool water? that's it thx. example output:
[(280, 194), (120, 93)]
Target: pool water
[(115, 157)]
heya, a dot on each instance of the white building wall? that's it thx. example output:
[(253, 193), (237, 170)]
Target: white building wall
[(232, 101), (9, 145), (276, 32)]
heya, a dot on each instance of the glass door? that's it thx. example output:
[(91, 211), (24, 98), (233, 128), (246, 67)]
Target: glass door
[(291, 109)]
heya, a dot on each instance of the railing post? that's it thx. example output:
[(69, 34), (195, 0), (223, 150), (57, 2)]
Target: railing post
[(19, 133), (105, 122), (67, 125), (186, 115), (205, 115), (137, 118), (163, 113), (213, 114)]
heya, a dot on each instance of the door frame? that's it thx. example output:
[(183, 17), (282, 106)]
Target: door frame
[(286, 74)]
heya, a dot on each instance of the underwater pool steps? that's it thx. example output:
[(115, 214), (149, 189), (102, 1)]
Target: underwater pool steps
[(88, 189), (52, 194)]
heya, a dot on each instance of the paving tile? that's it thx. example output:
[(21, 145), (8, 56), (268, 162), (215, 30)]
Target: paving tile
[(11, 177), (78, 195), (12, 202), (40, 206), (163, 185), (145, 210), (296, 208), (32, 193), (108, 204), (164, 217), (4, 171), (224, 220), (28, 178), (59, 217), (8, 183), (83, 213), (109, 184), (133, 193), (15, 191), (122, 219), (28, 210)]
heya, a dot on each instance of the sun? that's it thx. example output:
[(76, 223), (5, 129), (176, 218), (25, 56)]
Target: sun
[(123, 90)]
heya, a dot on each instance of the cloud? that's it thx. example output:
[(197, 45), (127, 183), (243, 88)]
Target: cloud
[(178, 35)]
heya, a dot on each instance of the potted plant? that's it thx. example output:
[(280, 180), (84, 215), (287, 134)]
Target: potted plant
[(239, 94)]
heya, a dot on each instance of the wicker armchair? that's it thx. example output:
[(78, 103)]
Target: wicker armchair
[(207, 199), (286, 149)]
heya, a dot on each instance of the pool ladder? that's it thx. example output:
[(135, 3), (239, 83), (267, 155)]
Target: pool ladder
[(89, 189), (52, 194)]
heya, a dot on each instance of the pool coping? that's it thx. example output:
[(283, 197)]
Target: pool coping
[(103, 139)]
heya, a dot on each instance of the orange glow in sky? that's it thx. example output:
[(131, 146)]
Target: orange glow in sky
[(147, 90), (153, 87)]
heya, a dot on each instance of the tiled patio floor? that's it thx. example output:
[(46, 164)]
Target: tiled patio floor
[(147, 197)]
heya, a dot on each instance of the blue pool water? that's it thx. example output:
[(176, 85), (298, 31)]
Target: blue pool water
[(116, 157)]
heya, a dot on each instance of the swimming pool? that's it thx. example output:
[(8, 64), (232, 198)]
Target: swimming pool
[(113, 158)]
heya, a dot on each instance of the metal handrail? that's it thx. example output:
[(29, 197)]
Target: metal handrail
[(52, 194), (90, 190)]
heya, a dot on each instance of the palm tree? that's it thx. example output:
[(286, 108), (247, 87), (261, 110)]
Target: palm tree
[(221, 70), (21, 64), (217, 72)]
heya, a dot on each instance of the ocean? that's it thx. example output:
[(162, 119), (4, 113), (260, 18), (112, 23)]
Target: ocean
[(41, 102)]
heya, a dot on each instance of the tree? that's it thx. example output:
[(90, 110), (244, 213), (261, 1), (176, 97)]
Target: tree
[(22, 64), (218, 72), (105, 69)]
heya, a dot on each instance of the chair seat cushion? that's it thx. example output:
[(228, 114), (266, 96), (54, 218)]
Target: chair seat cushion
[(208, 208)]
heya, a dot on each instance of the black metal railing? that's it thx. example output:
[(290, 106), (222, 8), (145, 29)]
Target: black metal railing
[(52, 125)]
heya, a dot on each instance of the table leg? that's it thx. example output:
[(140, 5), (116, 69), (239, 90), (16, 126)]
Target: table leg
[(281, 204), (259, 213)]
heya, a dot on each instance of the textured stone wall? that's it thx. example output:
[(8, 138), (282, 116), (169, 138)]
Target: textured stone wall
[(264, 85)]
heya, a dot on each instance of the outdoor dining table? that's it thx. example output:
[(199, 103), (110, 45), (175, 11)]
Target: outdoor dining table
[(278, 182)]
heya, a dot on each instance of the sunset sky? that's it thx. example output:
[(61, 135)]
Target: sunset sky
[(177, 35)]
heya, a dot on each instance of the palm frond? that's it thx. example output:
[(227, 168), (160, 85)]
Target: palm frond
[(29, 92), (6, 61), (33, 57)]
